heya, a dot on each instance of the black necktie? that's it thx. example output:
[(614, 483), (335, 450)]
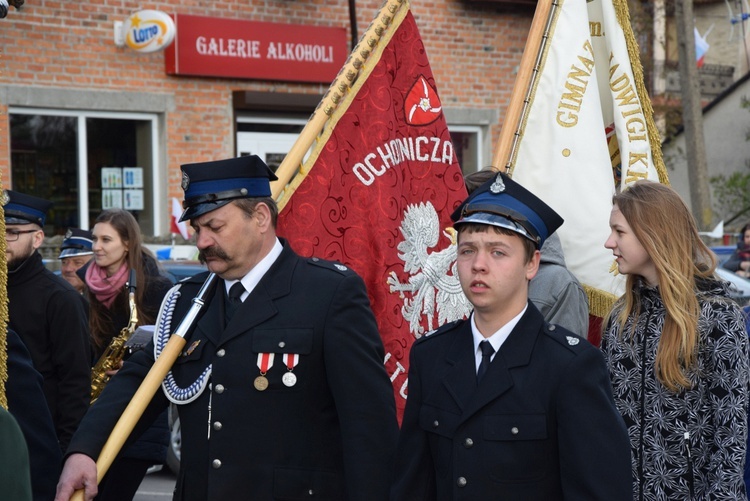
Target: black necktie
[(487, 351), (234, 300)]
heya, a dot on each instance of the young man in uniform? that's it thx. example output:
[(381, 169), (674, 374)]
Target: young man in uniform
[(504, 405), (281, 390)]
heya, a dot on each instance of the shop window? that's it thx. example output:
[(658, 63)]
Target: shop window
[(62, 157), (467, 142)]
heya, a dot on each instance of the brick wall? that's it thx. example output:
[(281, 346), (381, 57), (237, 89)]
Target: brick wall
[(474, 49)]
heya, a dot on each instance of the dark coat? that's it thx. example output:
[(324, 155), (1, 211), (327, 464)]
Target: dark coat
[(15, 483), (49, 316), (152, 444), (331, 436), (27, 404), (541, 425)]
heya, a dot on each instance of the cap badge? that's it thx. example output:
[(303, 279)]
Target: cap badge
[(572, 341), (68, 234), (498, 186), (185, 181), (4, 198)]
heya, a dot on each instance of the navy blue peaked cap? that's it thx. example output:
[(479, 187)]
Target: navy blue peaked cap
[(504, 203), (20, 208), (77, 242), (210, 185)]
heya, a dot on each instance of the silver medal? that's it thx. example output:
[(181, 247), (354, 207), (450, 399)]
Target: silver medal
[(289, 379)]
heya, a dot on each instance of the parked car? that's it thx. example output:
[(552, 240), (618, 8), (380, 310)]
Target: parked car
[(739, 287), (180, 269)]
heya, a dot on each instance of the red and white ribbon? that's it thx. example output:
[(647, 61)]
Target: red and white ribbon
[(265, 362), (290, 360)]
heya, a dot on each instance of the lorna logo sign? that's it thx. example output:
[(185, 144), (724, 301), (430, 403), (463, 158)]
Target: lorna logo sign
[(149, 31)]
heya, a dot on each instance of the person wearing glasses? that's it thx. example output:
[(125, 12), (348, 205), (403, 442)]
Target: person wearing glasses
[(48, 314)]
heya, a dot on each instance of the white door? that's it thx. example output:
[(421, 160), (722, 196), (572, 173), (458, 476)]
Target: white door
[(272, 147)]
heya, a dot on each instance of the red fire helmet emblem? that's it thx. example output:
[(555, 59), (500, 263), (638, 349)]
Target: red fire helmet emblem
[(422, 105)]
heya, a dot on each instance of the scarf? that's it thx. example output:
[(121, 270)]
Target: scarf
[(106, 288)]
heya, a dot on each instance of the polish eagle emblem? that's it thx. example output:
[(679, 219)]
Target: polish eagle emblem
[(433, 285)]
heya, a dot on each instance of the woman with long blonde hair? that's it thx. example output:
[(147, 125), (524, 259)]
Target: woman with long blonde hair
[(677, 353)]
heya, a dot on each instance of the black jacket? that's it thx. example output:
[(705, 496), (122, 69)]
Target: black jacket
[(541, 425), (27, 404), (331, 436), (49, 316)]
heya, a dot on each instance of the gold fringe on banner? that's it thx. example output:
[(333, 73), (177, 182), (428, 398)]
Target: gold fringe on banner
[(356, 69), (365, 61), (600, 302), (3, 311), (623, 18)]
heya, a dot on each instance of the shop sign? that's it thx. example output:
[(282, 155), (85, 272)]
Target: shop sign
[(148, 30), (233, 48)]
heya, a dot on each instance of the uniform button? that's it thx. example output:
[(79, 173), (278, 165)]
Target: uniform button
[(282, 344), (311, 492), (552, 327), (514, 430), (468, 443), (219, 388), (221, 352), (461, 482), (435, 423), (216, 464), (217, 425), (315, 259)]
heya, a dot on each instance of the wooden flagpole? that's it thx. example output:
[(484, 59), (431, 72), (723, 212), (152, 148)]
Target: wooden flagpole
[(346, 77), (526, 73)]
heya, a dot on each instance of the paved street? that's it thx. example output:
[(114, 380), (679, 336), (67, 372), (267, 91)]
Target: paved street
[(156, 486)]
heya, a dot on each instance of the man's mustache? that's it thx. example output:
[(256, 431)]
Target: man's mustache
[(216, 252)]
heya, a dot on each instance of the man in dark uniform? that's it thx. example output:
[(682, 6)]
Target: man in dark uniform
[(27, 404), (505, 405), (287, 397), (48, 315), (75, 252)]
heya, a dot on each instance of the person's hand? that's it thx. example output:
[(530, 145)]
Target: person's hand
[(112, 372), (79, 472)]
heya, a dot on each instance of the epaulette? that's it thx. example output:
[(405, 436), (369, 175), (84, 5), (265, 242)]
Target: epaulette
[(565, 337), (330, 265), (439, 331)]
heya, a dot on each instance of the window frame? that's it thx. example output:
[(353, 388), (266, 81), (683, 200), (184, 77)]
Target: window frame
[(83, 188)]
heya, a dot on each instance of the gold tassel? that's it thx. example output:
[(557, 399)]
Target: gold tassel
[(623, 18)]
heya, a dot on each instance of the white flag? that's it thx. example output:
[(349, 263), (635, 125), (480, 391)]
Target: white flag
[(585, 115)]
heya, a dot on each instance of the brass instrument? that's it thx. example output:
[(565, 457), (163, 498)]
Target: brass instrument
[(113, 355)]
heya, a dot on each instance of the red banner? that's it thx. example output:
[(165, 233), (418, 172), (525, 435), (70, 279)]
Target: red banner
[(379, 196)]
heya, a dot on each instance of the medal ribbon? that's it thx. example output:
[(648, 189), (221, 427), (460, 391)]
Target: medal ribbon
[(290, 360), (265, 362)]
